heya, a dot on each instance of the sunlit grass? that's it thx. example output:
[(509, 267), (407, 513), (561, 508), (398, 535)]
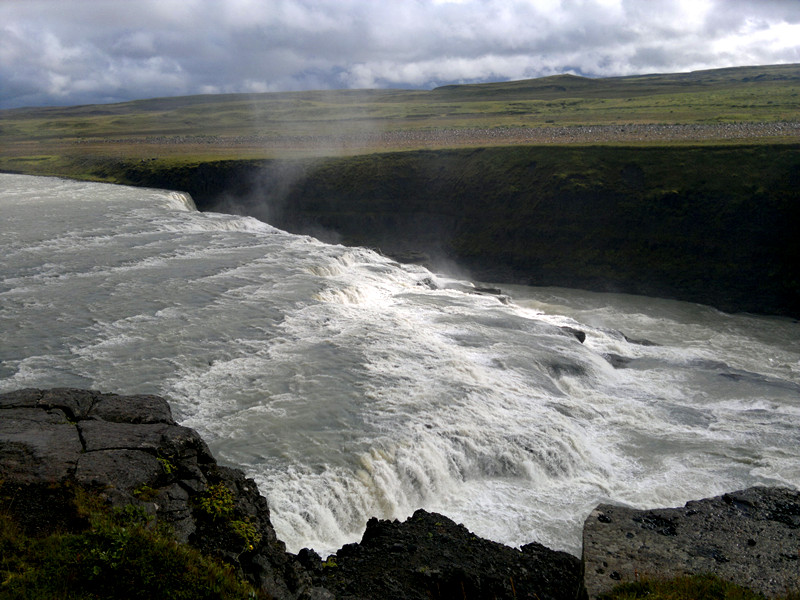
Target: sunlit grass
[(118, 555), (72, 141), (695, 587)]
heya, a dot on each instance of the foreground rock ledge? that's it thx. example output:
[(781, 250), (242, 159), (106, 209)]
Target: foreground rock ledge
[(749, 537), (129, 450), (430, 556)]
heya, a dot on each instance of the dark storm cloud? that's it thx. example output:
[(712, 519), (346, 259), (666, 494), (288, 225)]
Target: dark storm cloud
[(75, 51)]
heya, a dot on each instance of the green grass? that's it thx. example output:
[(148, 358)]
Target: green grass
[(282, 125), (694, 587), (118, 555)]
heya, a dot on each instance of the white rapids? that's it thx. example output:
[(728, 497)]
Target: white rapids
[(349, 386)]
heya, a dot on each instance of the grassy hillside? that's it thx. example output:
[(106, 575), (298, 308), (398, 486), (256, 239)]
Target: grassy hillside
[(60, 139)]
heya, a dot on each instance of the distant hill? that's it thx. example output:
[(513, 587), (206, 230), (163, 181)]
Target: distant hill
[(63, 140), (570, 86)]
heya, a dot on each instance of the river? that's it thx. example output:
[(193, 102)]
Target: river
[(350, 386)]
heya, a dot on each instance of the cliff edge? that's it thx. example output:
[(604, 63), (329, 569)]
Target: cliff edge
[(714, 225), (128, 451)]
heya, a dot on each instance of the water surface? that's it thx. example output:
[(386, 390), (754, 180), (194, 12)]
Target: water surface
[(350, 386)]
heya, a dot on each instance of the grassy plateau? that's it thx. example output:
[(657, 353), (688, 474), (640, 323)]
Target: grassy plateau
[(756, 104)]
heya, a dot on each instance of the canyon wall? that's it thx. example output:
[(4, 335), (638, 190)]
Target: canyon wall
[(711, 224)]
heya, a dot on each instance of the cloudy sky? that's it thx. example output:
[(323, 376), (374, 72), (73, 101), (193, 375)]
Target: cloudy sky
[(63, 52)]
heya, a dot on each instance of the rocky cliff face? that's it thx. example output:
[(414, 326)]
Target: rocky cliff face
[(715, 225), (129, 451), (430, 556)]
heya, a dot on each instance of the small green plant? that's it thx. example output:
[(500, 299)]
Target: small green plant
[(145, 493), (166, 464), (131, 516), (330, 563), (217, 502), (118, 556), (248, 533), (689, 587)]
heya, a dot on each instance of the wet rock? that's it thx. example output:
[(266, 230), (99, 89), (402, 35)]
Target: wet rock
[(429, 283), (579, 335), (565, 368), (492, 291), (617, 361), (412, 257), (750, 537), (638, 342), (430, 556)]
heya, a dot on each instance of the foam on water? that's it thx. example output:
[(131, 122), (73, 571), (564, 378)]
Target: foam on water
[(350, 386)]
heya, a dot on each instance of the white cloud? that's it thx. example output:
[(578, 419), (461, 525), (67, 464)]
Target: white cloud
[(759, 44), (69, 51)]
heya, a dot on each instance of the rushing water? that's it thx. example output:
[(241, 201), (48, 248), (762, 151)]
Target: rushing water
[(350, 386)]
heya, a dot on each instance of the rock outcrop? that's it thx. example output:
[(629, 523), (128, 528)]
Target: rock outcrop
[(430, 557), (749, 537), (129, 450)]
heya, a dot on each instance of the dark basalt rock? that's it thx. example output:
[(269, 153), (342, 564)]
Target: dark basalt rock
[(750, 537), (429, 556), (638, 342), (129, 450), (579, 334), (617, 361)]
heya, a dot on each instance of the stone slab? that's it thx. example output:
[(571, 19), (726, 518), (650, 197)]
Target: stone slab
[(750, 537), (37, 445)]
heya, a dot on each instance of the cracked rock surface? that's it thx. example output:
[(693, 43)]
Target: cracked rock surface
[(750, 537), (129, 450)]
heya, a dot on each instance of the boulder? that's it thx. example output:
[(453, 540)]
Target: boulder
[(429, 556), (579, 334), (129, 450), (749, 537)]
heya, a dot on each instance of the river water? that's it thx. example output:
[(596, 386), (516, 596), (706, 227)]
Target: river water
[(349, 386)]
